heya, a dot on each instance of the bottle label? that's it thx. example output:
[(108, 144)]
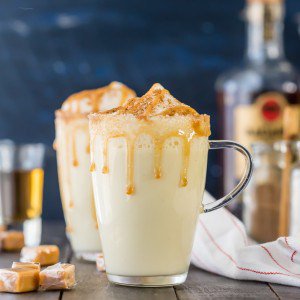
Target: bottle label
[(260, 121)]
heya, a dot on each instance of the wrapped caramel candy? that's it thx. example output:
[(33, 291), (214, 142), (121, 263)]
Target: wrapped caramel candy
[(45, 255), (19, 280), (58, 277), (100, 262), (31, 265), (11, 240)]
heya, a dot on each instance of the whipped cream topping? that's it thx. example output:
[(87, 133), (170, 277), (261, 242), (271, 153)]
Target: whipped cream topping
[(158, 115), (156, 102), (166, 113), (100, 99)]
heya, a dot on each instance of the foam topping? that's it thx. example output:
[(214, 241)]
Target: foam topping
[(156, 114), (157, 106), (100, 99), (156, 102)]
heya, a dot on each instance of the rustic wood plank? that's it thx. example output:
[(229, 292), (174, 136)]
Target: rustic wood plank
[(204, 285), (53, 233), (49, 295), (285, 292), (94, 285)]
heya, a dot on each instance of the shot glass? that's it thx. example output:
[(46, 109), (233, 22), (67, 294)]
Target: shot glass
[(21, 188)]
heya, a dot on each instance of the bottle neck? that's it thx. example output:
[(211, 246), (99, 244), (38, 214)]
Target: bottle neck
[(265, 32)]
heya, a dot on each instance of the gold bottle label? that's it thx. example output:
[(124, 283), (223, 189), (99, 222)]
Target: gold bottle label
[(260, 121)]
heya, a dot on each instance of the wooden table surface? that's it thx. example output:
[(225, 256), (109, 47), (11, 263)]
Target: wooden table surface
[(93, 285)]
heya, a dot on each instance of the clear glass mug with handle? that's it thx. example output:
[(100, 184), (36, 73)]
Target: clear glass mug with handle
[(147, 229), (21, 188)]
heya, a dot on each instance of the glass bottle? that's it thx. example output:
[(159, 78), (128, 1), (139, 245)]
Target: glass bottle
[(262, 197), (294, 228), (251, 98)]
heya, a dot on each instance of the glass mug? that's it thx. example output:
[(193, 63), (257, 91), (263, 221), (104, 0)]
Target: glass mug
[(147, 236), (73, 161)]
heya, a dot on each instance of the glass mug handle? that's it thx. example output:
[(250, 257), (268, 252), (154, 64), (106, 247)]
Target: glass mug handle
[(243, 182)]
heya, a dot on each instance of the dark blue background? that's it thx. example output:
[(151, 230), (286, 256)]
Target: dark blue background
[(50, 49)]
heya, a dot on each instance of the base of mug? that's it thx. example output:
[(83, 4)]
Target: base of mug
[(148, 281), (86, 256)]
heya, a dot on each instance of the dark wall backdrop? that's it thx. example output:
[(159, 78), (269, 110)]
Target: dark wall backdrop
[(50, 49)]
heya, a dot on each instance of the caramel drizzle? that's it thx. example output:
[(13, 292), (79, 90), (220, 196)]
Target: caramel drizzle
[(105, 168), (130, 167), (75, 162), (185, 162), (92, 167), (72, 161), (88, 149), (158, 145), (130, 161), (74, 152), (71, 142), (158, 150), (186, 149)]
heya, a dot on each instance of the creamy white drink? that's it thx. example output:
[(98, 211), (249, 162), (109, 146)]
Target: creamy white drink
[(73, 157), (148, 163)]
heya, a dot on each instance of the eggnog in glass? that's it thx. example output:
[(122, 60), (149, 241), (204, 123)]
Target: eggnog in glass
[(148, 163), (73, 159)]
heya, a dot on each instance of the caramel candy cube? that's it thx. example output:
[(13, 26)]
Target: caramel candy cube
[(19, 280), (45, 255), (11, 240), (100, 262), (30, 265), (58, 277)]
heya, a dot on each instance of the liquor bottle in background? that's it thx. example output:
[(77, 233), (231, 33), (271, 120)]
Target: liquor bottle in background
[(251, 98)]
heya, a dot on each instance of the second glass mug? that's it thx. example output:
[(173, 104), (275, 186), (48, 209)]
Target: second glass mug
[(147, 238)]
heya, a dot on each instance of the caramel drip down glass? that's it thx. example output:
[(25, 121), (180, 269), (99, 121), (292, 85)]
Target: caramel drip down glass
[(148, 198), (73, 161)]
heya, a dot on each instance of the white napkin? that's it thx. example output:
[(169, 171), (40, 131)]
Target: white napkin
[(221, 246)]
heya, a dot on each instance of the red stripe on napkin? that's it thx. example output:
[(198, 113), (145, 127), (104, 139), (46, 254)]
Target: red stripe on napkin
[(294, 251), (276, 262), (235, 263)]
